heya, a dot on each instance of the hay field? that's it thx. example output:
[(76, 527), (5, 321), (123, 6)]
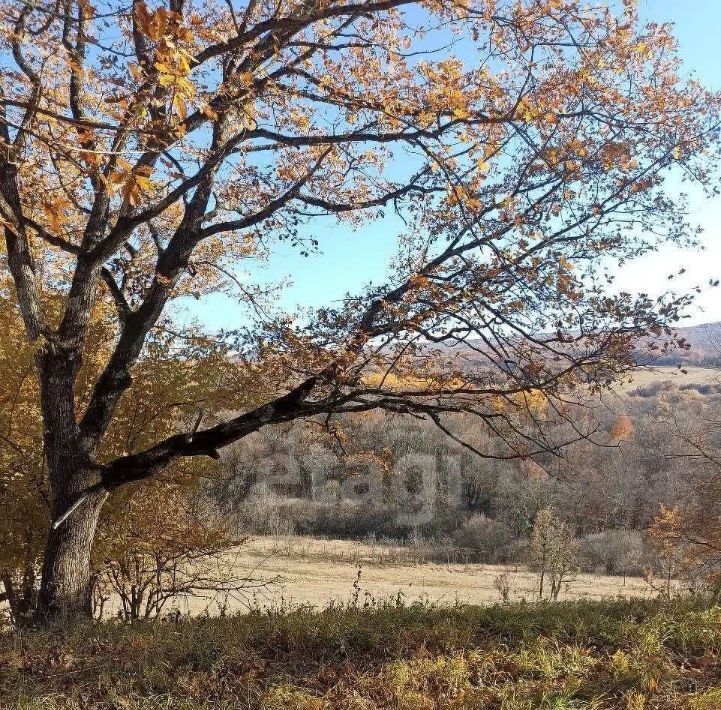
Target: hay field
[(307, 571), (693, 375)]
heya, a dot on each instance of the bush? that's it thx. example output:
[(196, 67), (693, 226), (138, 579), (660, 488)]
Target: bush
[(618, 552), (346, 520), (263, 514), (488, 539)]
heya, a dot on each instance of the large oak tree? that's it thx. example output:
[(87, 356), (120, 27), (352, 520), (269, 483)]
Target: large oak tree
[(145, 528), (147, 147)]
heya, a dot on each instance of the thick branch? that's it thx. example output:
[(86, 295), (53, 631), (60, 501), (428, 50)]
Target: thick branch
[(208, 441)]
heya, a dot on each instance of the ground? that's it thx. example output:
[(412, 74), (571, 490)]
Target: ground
[(316, 572), (616, 655)]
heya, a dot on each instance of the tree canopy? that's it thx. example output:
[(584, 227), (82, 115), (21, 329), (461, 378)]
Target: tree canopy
[(148, 148)]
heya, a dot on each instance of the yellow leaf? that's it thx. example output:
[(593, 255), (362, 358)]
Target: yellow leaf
[(53, 215), (179, 104), (208, 112)]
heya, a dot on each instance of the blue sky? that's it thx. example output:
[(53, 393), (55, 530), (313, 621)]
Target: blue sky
[(351, 258), (698, 29)]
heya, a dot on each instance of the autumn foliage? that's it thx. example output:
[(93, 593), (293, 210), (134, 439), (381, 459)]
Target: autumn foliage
[(148, 150), (154, 528)]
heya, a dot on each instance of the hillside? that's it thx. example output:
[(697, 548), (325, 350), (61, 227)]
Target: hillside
[(684, 375), (698, 367), (705, 346), (609, 655), (700, 346)]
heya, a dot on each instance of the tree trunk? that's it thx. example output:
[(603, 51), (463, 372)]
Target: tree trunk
[(66, 587)]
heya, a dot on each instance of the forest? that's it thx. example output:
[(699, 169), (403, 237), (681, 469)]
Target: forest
[(649, 455)]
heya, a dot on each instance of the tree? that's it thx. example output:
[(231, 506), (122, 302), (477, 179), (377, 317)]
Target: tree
[(146, 150), (164, 523), (686, 538), (668, 552), (23, 490), (553, 551)]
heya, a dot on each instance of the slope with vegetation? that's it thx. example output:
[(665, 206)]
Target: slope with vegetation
[(601, 655)]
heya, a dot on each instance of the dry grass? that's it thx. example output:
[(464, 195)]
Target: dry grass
[(637, 655), (307, 571), (693, 375)]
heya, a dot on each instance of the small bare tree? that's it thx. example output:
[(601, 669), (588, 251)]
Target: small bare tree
[(554, 552), (502, 583), (146, 561), (146, 584)]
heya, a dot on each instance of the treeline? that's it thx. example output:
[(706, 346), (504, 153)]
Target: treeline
[(384, 477)]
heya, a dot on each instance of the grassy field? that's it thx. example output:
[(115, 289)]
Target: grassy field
[(693, 375), (316, 572), (294, 571), (631, 655)]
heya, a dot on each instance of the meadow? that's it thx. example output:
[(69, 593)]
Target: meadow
[(317, 572), (684, 375)]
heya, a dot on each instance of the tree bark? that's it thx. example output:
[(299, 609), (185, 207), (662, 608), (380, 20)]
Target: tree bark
[(76, 498), (66, 586)]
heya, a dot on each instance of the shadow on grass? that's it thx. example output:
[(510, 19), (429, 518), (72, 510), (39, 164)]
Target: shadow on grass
[(609, 654)]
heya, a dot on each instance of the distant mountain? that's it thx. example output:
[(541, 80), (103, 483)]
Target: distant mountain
[(704, 351), (705, 346)]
